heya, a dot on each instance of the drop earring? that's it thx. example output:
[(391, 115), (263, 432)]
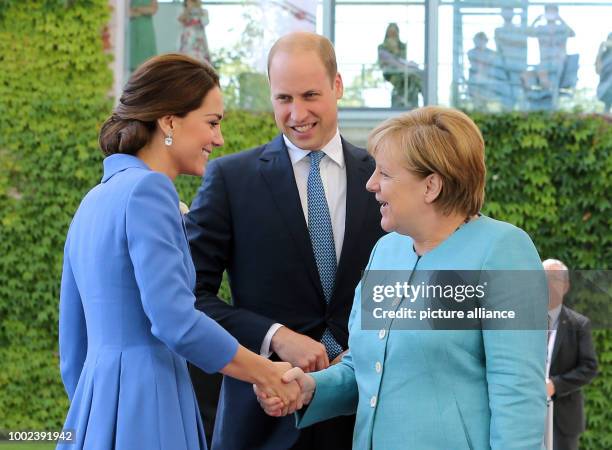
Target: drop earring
[(168, 139)]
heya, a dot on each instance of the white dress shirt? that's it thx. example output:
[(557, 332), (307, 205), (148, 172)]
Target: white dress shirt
[(553, 319), (333, 176)]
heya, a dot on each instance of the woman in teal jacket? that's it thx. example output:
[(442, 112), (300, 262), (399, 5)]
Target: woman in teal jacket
[(423, 384), (127, 317)]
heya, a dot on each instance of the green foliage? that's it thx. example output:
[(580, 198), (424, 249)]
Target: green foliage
[(598, 394), (548, 174), (53, 96), (28, 446)]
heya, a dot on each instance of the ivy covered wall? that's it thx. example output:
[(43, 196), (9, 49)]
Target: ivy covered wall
[(549, 174), (54, 80)]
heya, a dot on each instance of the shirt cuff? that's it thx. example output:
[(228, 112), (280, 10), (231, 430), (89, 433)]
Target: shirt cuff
[(265, 345)]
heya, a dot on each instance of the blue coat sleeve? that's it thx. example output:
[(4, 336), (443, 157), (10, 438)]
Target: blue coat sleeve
[(72, 328), (157, 246), (516, 358)]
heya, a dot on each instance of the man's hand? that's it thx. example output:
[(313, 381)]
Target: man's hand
[(550, 389), (338, 358), (273, 406), (299, 350)]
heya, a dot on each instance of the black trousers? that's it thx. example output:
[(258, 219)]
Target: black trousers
[(333, 434), (207, 388), (564, 442)]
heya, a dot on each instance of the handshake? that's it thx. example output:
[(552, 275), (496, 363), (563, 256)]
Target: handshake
[(289, 388), (295, 390)]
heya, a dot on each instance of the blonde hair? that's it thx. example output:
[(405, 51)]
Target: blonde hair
[(304, 41), (439, 140)]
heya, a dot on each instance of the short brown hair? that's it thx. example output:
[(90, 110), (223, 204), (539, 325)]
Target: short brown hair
[(170, 84), (443, 141), (304, 41)]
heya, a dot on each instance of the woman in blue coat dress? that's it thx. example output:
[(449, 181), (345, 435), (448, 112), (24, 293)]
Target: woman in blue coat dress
[(474, 384), (127, 316)]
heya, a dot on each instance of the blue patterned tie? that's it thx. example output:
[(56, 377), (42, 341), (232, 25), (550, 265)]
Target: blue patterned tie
[(322, 238)]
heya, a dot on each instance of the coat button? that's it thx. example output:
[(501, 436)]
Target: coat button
[(381, 333), (378, 366), (373, 401)]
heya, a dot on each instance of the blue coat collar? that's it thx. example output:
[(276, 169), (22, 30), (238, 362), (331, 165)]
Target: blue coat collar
[(118, 162)]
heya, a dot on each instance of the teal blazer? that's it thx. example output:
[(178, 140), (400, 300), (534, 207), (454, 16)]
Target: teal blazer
[(445, 390)]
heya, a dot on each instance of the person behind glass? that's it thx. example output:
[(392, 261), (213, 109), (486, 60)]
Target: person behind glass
[(511, 44), (127, 318), (571, 362), (470, 389), (403, 75), (482, 83), (552, 39), (603, 66), (194, 19), (142, 31)]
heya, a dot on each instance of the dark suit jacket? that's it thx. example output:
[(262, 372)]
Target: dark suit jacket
[(247, 219), (573, 364)]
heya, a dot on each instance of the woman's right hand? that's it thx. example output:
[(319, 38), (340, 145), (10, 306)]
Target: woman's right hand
[(286, 393), (266, 375), (274, 407)]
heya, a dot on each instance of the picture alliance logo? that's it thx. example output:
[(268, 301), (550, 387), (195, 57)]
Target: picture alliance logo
[(440, 313)]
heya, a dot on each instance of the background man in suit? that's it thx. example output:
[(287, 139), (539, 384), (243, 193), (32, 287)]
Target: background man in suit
[(571, 360), (293, 225)]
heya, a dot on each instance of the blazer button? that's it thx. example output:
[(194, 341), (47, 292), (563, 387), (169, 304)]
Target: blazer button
[(381, 333), (378, 366), (373, 401)]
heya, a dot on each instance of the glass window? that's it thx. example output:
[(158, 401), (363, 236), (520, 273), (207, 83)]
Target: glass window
[(380, 47), (519, 55), (492, 55), (233, 35)]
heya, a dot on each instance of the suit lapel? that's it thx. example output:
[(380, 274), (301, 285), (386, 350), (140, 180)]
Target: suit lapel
[(275, 167), (561, 333), (357, 174)]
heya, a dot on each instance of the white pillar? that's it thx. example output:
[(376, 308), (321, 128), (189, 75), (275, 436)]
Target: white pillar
[(431, 51), (117, 28)]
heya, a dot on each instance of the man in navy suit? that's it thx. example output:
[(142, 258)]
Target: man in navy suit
[(293, 225)]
